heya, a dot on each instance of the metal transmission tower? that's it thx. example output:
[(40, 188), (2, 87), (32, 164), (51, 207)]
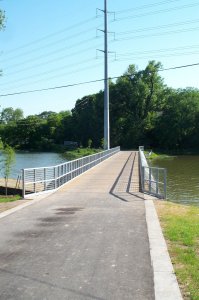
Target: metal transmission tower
[(106, 85)]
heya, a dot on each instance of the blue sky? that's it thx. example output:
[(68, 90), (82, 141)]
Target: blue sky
[(52, 43)]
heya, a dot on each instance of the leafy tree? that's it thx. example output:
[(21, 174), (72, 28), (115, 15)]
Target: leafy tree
[(133, 98), (177, 126), (45, 114), (2, 19), (6, 164), (11, 115)]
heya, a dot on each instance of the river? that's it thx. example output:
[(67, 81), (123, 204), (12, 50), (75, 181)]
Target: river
[(182, 178), (34, 159), (182, 172)]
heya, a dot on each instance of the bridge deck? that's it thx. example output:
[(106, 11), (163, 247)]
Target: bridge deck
[(86, 241)]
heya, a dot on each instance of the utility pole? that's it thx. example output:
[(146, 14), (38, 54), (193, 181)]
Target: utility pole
[(106, 83)]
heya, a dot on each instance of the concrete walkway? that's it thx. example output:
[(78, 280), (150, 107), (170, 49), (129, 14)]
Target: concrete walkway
[(87, 241)]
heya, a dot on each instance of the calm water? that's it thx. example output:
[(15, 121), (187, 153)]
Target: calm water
[(182, 178), (30, 160)]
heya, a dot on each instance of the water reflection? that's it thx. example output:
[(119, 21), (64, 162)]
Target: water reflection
[(182, 178)]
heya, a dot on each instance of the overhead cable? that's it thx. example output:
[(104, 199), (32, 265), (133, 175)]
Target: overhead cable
[(88, 82)]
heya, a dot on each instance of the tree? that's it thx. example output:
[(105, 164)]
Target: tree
[(134, 97), (2, 19), (6, 163), (11, 115), (45, 114), (177, 126)]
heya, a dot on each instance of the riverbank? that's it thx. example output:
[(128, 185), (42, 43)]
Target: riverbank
[(154, 154), (80, 152), (180, 225)]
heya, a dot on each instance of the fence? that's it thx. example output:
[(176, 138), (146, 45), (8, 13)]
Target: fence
[(153, 179), (37, 180)]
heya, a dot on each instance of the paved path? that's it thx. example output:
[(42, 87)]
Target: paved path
[(87, 241)]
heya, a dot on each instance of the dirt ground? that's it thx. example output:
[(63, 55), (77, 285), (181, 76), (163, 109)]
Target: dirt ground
[(11, 185), (9, 205)]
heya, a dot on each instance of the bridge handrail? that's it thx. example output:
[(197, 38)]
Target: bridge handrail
[(150, 177), (44, 179)]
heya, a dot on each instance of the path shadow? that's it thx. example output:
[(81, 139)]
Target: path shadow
[(125, 192)]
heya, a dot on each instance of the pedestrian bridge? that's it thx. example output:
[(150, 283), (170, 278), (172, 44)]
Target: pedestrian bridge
[(145, 179)]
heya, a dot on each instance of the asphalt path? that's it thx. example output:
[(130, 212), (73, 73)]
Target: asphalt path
[(86, 241)]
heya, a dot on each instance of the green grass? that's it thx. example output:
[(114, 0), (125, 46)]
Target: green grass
[(4, 199), (181, 229), (80, 152), (155, 155)]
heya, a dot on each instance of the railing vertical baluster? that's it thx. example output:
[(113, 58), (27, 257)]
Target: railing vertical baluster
[(143, 171), (23, 183), (45, 179), (149, 180), (157, 181), (34, 181), (165, 183), (55, 179)]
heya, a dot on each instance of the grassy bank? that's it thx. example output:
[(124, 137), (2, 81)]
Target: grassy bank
[(4, 199), (80, 152), (153, 155), (168, 153), (180, 226)]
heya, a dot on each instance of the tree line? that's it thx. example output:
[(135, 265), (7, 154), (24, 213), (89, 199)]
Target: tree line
[(143, 111)]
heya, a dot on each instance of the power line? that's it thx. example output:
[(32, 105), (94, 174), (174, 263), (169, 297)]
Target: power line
[(91, 81), (179, 67), (156, 34), (156, 12), (125, 57), (162, 50), (42, 75), (50, 35), (61, 75), (127, 38), (81, 23), (158, 27), (45, 55), (141, 7), (47, 46), (52, 88)]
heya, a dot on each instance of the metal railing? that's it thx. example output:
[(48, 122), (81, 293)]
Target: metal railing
[(153, 179), (43, 179)]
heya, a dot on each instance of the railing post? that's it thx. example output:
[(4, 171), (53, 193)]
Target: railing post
[(55, 179), (165, 183), (23, 183), (34, 180), (143, 179), (157, 181), (149, 180), (44, 179)]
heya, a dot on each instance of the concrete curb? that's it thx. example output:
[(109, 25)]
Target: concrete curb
[(165, 283)]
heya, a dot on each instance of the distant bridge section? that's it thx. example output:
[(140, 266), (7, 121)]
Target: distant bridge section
[(45, 179), (153, 179)]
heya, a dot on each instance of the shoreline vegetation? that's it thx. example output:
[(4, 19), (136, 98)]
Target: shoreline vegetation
[(180, 225), (79, 152), (151, 155)]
